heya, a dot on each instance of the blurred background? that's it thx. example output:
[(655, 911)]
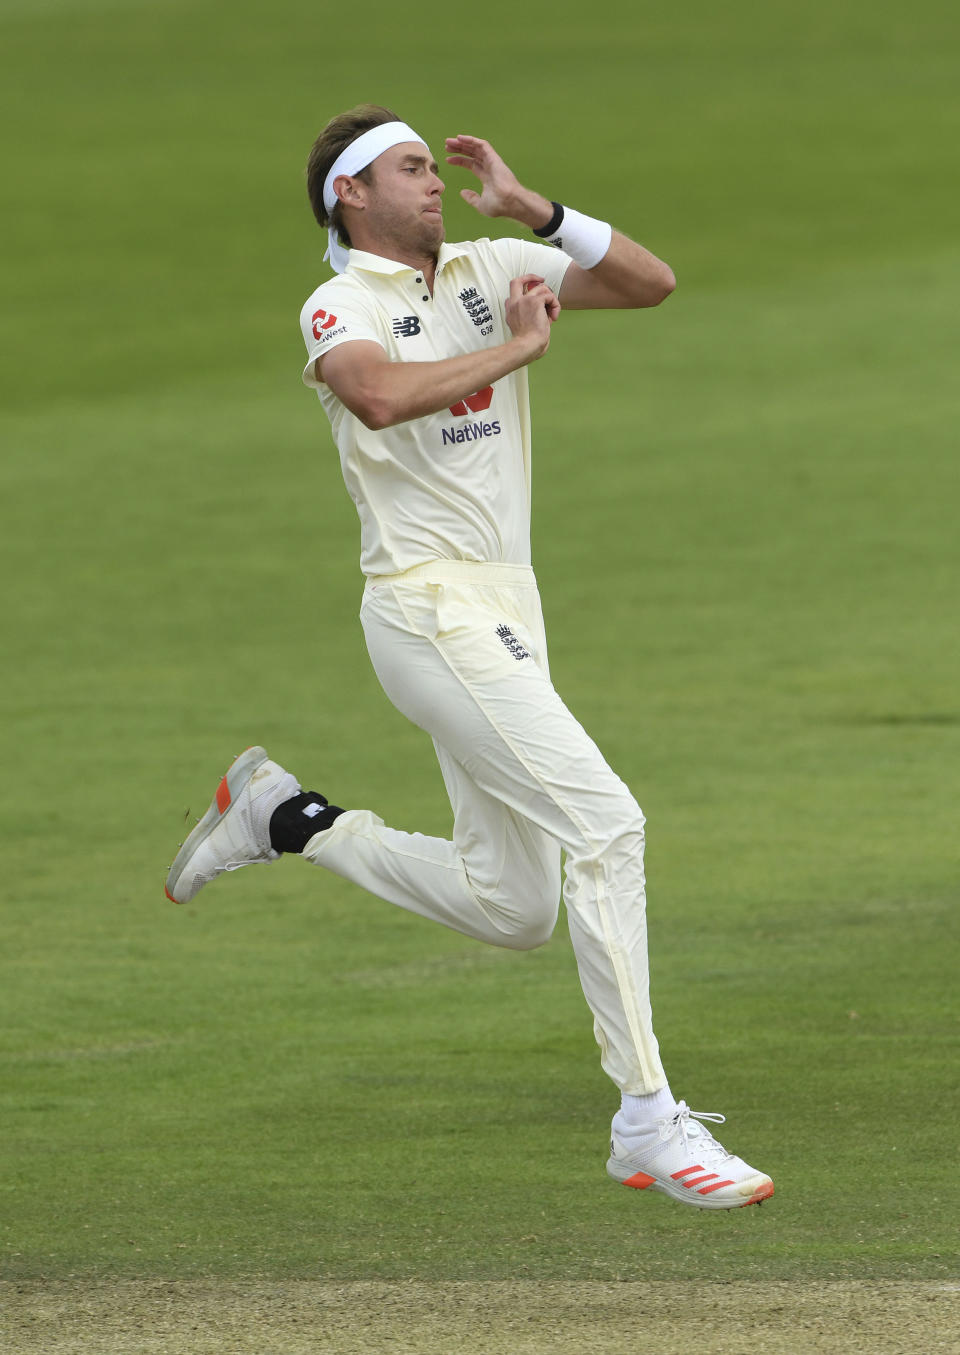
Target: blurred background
[(745, 534)]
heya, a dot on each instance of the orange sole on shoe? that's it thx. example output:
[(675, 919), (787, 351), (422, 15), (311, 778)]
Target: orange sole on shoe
[(643, 1181), (762, 1194)]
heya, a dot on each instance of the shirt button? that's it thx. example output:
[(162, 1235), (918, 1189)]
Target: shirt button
[(424, 298), (419, 279)]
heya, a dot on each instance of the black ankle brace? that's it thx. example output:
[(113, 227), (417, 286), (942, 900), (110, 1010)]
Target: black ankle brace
[(294, 823)]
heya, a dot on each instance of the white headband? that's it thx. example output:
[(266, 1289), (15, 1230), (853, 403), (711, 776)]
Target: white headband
[(360, 153)]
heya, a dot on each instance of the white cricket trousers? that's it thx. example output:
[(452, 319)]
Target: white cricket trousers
[(460, 649)]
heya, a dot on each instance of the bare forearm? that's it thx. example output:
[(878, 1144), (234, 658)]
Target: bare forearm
[(410, 390), (384, 393), (627, 276)]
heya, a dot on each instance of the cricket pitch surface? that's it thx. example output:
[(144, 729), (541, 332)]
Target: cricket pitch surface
[(521, 1317)]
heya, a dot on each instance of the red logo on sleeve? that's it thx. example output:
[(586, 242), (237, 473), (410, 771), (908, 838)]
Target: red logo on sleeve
[(475, 403), (322, 321)]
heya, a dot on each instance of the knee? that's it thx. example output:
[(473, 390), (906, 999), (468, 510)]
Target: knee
[(622, 833), (631, 832), (616, 843), (524, 924), (535, 930), (523, 901)]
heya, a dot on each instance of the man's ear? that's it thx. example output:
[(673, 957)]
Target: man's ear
[(349, 191)]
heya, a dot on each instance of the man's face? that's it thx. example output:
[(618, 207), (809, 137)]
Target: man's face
[(403, 200)]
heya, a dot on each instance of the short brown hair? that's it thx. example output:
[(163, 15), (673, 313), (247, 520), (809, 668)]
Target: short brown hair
[(332, 141)]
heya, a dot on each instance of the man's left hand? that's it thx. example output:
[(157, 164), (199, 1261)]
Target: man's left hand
[(501, 193)]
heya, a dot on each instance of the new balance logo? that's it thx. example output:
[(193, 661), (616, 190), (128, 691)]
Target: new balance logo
[(406, 327), (477, 308), (512, 643)]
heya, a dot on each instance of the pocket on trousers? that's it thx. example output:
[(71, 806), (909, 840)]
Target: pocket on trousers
[(456, 613), (410, 610)]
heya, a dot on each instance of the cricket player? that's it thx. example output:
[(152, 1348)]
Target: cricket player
[(418, 350)]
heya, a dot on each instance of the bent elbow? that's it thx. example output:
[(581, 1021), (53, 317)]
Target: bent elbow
[(663, 285), (374, 419), (375, 412)]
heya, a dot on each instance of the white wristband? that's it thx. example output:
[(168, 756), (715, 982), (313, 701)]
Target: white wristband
[(584, 238)]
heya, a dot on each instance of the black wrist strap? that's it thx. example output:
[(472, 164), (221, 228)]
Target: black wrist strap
[(553, 225)]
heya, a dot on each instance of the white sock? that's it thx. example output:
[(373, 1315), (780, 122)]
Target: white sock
[(645, 1110)]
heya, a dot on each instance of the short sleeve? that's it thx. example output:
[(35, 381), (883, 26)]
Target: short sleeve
[(331, 316), (527, 256)]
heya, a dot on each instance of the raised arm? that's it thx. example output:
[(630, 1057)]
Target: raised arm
[(627, 275), (382, 393)]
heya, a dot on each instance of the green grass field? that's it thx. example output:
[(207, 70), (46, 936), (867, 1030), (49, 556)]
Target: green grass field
[(746, 537)]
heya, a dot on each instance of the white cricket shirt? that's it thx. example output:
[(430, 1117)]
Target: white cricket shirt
[(448, 486)]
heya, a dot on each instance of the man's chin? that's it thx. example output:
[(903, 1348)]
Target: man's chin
[(432, 237)]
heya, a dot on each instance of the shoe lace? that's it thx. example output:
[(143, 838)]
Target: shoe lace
[(679, 1123)]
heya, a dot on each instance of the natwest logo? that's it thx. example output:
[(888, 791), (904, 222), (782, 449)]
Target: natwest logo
[(470, 432), (475, 404), (322, 321)]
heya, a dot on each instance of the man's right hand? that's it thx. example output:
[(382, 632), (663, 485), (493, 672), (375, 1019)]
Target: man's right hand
[(531, 309), (383, 392)]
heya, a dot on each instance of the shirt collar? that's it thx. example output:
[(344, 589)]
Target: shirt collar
[(375, 263)]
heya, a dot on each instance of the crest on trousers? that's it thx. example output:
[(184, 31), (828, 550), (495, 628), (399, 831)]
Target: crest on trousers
[(512, 643), (475, 306)]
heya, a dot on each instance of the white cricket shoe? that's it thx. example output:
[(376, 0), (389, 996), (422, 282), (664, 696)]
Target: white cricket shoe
[(235, 831), (681, 1158)]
